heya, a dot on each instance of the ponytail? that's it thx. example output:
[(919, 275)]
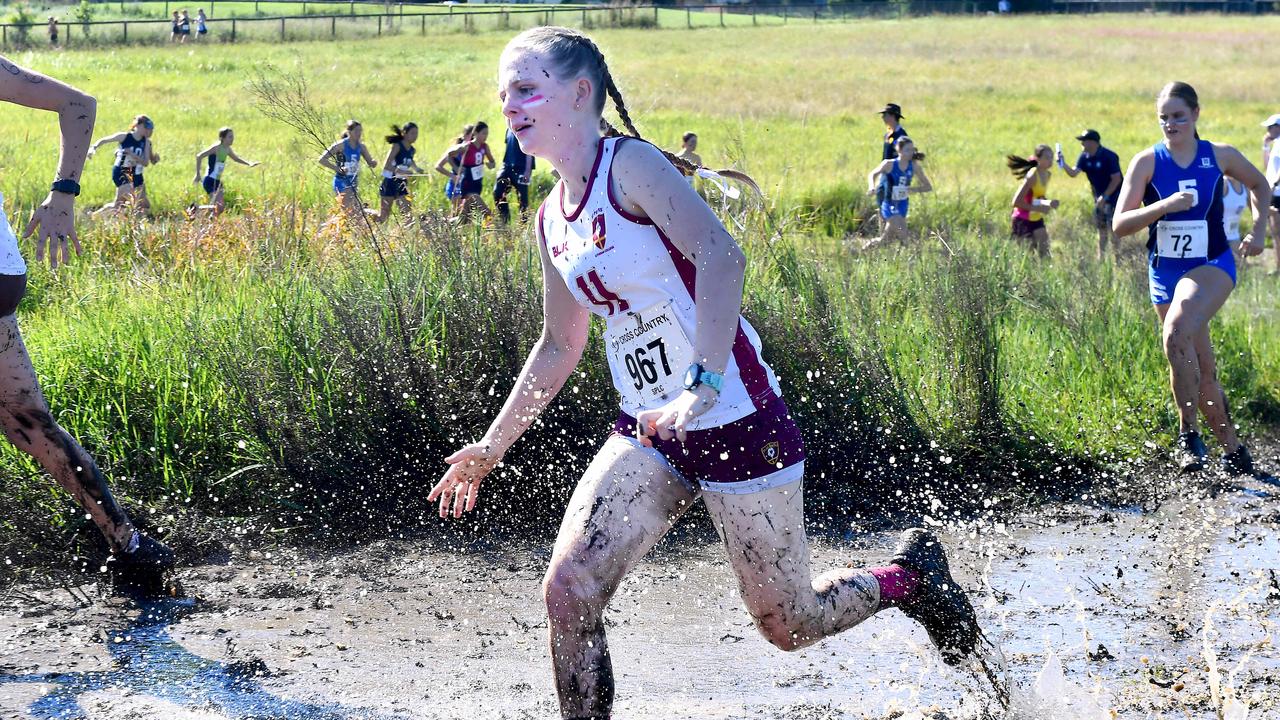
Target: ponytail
[(398, 133), (1020, 165)]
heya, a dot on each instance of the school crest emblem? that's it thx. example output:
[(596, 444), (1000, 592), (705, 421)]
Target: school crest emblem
[(772, 452), (598, 231), (1206, 162)]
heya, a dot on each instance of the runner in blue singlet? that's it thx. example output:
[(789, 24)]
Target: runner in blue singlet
[(892, 181), (343, 160), (1174, 191)]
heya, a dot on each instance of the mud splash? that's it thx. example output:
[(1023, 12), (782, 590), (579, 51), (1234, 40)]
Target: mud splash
[(1098, 613)]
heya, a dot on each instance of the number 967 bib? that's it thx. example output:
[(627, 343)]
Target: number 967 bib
[(648, 353), (1183, 239)]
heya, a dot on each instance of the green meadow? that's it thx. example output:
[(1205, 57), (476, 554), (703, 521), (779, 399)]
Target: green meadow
[(269, 367)]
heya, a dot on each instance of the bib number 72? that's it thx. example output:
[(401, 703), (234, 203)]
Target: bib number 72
[(643, 368)]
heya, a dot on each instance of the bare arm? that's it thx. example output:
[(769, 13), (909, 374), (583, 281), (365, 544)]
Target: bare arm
[(488, 157), (77, 112), (108, 139), (1131, 216), (389, 165), (250, 163), (1020, 201), (368, 158), (201, 156), (443, 167), (923, 185), (1235, 166), (650, 186), (874, 176), (1114, 185), (326, 158)]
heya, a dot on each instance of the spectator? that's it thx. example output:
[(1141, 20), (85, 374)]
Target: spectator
[(1102, 167)]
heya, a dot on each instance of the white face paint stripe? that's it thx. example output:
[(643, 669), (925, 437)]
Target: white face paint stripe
[(534, 102)]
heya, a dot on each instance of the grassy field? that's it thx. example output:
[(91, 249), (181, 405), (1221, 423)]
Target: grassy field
[(336, 379)]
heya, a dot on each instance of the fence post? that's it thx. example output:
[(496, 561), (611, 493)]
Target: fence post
[(584, 17), (688, 17), (304, 7), (786, 11), (424, 24), (333, 26), (353, 7), (815, 15), (166, 7), (379, 25), (233, 29), (282, 29), (655, 16), (4, 34), (753, 14), (721, 16), (126, 32), (256, 11)]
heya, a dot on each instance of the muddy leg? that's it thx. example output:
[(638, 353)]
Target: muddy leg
[(1213, 400), (1196, 298), (29, 426), (626, 501), (764, 535)]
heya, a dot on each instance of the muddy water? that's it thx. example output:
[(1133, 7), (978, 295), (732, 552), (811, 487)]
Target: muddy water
[(1168, 612)]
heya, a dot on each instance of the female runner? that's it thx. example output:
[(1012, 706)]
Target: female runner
[(343, 159), (398, 165), (625, 237), (24, 414), (134, 152), (1029, 203), (218, 154), (893, 181), (1174, 191)]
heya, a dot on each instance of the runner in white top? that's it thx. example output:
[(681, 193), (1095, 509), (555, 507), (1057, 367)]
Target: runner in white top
[(1235, 200), (25, 416), (1271, 168), (624, 237)]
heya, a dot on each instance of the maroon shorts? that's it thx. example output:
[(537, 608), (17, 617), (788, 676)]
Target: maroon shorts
[(1025, 228), (12, 288), (758, 452)]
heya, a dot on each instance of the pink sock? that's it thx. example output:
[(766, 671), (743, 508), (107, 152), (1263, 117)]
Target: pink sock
[(896, 583)]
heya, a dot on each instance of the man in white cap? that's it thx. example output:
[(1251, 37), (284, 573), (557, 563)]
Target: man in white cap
[(1271, 166)]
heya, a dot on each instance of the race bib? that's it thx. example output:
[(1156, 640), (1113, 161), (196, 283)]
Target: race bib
[(899, 193), (477, 172), (648, 353), (1182, 239), (1233, 227), (216, 172), (351, 168)]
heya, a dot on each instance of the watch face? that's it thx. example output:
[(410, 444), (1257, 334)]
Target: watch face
[(691, 376)]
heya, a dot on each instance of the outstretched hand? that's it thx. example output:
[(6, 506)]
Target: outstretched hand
[(54, 224), (461, 482)]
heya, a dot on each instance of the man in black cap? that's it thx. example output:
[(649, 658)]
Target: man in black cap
[(891, 114), (1103, 168)]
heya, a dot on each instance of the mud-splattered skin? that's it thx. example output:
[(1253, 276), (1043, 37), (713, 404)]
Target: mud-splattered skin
[(629, 496), (24, 414), (29, 426)]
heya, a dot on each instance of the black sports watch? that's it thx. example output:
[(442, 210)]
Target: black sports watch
[(70, 187)]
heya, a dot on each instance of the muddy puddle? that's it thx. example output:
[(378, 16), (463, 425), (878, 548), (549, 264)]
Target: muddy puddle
[(1164, 612)]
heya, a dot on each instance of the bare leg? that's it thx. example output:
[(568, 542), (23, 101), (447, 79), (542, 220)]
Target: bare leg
[(626, 501), (764, 535), (1274, 216), (1040, 241), (1213, 400), (29, 426), (1196, 298), (384, 212)]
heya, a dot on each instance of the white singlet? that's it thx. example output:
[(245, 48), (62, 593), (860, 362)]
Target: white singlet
[(1273, 170), (624, 269), (11, 262), (1233, 205)]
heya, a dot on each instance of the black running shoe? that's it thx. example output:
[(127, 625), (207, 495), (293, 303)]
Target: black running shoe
[(938, 603), (1239, 462), (1190, 452), (150, 555)]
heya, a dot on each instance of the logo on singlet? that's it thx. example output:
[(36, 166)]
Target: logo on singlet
[(597, 230), (771, 451), (1206, 162)]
